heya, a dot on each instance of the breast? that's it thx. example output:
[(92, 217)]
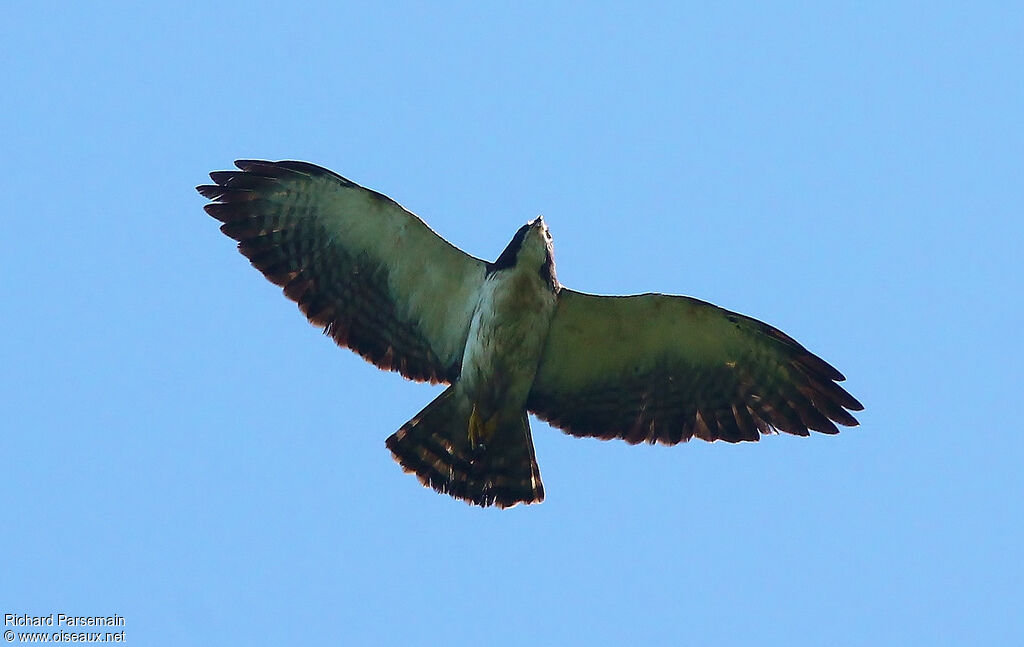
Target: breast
[(507, 334)]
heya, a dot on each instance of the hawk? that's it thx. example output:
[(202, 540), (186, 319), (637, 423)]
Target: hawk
[(509, 340)]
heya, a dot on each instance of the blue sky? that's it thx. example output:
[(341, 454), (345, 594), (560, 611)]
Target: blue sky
[(181, 448)]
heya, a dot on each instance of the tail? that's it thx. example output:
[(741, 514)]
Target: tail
[(435, 446)]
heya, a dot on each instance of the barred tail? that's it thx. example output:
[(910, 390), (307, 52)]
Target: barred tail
[(435, 446)]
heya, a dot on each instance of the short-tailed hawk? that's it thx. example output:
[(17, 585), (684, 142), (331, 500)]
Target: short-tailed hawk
[(509, 339)]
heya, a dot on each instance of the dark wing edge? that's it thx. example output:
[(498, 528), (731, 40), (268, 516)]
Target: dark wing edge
[(663, 369), (374, 276)]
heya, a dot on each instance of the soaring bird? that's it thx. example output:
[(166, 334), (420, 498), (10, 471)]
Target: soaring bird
[(508, 339)]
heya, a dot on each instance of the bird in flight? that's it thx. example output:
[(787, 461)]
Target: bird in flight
[(509, 340)]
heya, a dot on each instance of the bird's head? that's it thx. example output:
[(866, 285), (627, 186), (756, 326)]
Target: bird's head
[(530, 248), (536, 251), (538, 239)]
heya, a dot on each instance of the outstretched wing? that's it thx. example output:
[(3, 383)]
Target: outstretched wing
[(372, 274), (659, 368)]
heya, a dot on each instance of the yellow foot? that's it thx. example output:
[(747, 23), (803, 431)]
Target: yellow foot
[(480, 431), (475, 428)]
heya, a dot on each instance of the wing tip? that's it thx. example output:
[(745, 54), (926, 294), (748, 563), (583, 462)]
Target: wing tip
[(248, 164), (284, 168)]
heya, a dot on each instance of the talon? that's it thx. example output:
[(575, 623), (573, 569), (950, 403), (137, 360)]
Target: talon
[(480, 431), (476, 431)]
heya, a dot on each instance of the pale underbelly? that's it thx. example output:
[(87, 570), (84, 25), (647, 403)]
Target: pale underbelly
[(505, 342)]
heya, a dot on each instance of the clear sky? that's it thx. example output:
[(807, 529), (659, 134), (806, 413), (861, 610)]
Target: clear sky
[(181, 448)]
